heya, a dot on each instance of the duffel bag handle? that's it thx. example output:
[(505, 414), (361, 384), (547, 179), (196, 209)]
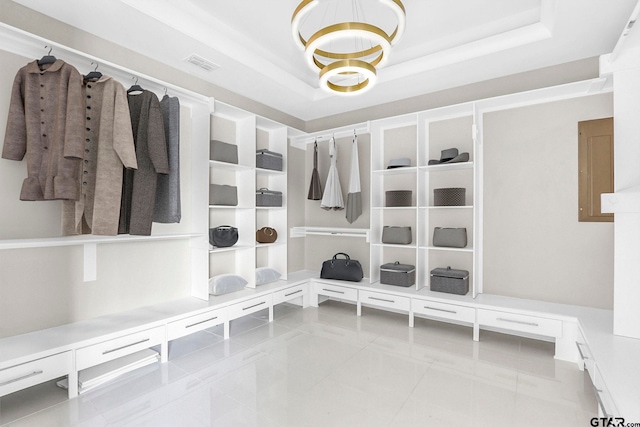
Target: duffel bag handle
[(341, 253)]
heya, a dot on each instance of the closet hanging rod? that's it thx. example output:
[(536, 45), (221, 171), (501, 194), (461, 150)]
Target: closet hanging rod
[(18, 41), (325, 135)]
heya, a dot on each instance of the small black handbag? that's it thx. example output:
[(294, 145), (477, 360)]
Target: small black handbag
[(342, 269), (223, 236)]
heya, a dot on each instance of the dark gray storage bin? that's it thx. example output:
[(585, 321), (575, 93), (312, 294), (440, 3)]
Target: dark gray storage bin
[(449, 196), (223, 152), (449, 280), (266, 159), (396, 198), (398, 274), (268, 198), (223, 195)]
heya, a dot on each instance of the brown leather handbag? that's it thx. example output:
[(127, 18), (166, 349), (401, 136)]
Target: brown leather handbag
[(266, 235)]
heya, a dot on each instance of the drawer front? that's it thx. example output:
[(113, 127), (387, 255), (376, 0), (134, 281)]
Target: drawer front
[(584, 352), (25, 375), (250, 306), (289, 293), (199, 322), (109, 350), (385, 300), (444, 311), (519, 322), (606, 406), (334, 291)]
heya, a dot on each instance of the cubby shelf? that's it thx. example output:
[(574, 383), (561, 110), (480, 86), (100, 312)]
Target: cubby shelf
[(448, 167), (229, 166), (396, 171)]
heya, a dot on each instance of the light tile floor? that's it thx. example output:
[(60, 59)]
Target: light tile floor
[(328, 367)]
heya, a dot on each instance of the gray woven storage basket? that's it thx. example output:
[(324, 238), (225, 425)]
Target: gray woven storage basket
[(398, 274), (449, 280), (268, 198), (449, 196), (266, 159), (223, 151), (397, 198), (223, 195)]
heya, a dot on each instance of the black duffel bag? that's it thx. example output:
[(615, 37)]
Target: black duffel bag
[(342, 269), (223, 236)]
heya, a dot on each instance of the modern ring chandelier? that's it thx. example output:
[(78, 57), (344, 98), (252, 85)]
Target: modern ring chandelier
[(347, 53)]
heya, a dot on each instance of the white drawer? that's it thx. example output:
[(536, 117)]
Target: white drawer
[(199, 322), (25, 375), (289, 293), (444, 311), (606, 406), (520, 322), (109, 350), (586, 358), (384, 300), (250, 306), (335, 291)]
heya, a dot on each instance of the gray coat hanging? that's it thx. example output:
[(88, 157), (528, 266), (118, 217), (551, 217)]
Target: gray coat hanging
[(315, 187)]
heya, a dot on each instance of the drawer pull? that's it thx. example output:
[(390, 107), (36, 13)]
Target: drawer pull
[(582, 356), (440, 309), (331, 290), (254, 305), (293, 293), (24, 377), (382, 299), (520, 322), (198, 323), (601, 403), (125, 346)]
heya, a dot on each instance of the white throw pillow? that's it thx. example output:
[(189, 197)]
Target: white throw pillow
[(225, 283), (266, 275)]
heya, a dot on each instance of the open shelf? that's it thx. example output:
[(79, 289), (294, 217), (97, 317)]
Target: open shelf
[(230, 166), (448, 167)]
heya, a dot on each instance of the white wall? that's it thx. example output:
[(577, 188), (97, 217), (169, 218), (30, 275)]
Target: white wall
[(534, 246)]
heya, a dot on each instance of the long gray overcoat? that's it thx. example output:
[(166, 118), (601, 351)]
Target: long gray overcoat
[(139, 187), (46, 122), (108, 146)]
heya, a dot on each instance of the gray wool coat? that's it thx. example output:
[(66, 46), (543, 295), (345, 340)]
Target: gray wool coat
[(139, 186), (108, 147), (46, 123), (168, 209)]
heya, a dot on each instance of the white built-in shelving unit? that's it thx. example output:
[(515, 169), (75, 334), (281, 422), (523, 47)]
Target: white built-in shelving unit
[(250, 133)]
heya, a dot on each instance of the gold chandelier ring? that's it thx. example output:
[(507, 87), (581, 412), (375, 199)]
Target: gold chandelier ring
[(348, 66)]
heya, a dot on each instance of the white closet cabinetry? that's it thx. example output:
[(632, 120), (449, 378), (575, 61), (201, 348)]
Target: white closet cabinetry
[(249, 133), (421, 137)]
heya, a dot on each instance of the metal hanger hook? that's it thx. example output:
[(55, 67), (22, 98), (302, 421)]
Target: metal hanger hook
[(135, 80), (96, 64), (50, 49)]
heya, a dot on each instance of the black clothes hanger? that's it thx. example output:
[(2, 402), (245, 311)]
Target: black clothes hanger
[(95, 74), (135, 87), (48, 58)]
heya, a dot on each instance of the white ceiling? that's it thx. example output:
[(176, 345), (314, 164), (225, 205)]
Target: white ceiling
[(446, 44)]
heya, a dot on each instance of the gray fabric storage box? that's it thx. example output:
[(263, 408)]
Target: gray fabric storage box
[(398, 274), (396, 235), (223, 195), (268, 198), (449, 196), (450, 237), (223, 152), (266, 159), (395, 198), (449, 280)]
